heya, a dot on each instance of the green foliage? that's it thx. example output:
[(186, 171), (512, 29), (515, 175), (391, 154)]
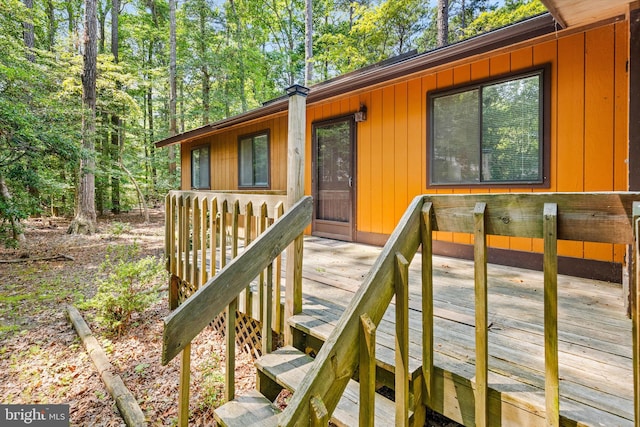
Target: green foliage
[(117, 228), (512, 11), (212, 383), (130, 286), (231, 56)]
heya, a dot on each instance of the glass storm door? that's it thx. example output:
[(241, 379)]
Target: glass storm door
[(334, 178)]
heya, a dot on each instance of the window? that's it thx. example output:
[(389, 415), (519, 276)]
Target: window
[(253, 160), (200, 167), (490, 133)]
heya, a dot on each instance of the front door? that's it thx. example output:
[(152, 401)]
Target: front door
[(334, 178)]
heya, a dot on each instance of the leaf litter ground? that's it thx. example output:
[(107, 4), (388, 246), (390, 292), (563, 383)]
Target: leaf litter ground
[(42, 361)]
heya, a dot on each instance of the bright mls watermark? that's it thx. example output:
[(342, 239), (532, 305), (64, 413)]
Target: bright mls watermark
[(34, 415)]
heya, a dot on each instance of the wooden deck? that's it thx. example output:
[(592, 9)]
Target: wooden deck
[(596, 374)]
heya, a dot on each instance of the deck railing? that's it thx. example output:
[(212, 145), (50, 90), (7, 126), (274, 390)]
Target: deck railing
[(205, 232), (599, 217)]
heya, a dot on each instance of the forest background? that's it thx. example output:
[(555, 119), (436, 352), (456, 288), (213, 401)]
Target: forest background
[(87, 87)]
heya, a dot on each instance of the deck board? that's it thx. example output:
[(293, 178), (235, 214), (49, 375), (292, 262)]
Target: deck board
[(594, 334)]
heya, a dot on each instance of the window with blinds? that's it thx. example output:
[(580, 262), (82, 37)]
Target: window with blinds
[(488, 133), (253, 160)]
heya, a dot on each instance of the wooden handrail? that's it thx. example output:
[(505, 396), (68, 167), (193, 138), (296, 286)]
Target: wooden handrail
[(595, 217), (337, 359), (183, 324)]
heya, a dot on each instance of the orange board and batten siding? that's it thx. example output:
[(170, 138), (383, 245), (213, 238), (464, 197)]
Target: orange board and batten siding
[(223, 154), (588, 130)]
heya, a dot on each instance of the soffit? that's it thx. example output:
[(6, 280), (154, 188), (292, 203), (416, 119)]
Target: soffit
[(571, 13)]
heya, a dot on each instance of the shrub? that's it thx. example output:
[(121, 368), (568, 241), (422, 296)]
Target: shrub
[(131, 286)]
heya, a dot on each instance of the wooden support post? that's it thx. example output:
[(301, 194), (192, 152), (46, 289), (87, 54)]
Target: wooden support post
[(230, 339), (482, 339), (401, 282), (427, 303), (319, 413), (551, 382), (185, 380), (635, 311), (367, 371), (295, 190)]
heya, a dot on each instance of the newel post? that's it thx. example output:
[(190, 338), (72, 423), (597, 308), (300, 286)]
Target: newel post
[(295, 191)]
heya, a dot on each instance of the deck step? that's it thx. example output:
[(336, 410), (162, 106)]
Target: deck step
[(287, 367), (249, 409)]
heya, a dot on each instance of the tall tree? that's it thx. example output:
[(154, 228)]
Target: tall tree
[(173, 89), (443, 23), (116, 124), (85, 219), (29, 36), (308, 43)]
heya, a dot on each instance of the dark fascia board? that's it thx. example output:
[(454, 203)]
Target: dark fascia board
[(378, 73)]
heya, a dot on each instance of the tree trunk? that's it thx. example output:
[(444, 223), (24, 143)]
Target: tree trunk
[(85, 219), (238, 37), (308, 43), (173, 95), (51, 25), (116, 123), (206, 77), (139, 191), (151, 132), (28, 34), (182, 124), (16, 229), (102, 19), (443, 23)]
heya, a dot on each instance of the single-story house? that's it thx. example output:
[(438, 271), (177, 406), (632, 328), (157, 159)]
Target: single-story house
[(549, 104)]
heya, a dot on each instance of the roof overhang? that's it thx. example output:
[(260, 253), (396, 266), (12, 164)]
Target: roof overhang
[(385, 71), (574, 13)]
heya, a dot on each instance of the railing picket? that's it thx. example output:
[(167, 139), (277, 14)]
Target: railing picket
[(277, 286), (482, 344), (267, 311), (187, 238), (261, 225), (367, 371), (635, 311), (551, 382), (223, 234), (181, 237), (248, 221), (427, 302), (204, 275), (401, 282), (213, 235), (195, 239), (185, 382), (230, 341), (168, 238)]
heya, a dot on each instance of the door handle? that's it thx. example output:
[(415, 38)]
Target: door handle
[(350, 181)]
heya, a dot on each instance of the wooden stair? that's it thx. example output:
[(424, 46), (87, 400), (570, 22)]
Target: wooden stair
[(284, 369)]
